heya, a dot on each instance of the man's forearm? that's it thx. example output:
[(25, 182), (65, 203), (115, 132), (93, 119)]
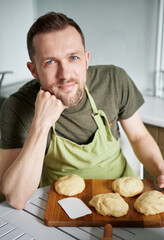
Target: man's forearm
[(22, 178), (149, 154), (144, 146)]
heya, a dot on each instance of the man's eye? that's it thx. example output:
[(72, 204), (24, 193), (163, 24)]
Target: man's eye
[(50, 62), (73, 57)]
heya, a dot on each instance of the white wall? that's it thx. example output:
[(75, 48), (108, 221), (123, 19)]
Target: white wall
[(16, 17), (120, 32)]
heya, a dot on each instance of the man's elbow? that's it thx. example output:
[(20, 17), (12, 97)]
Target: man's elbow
[(15, 203), (13, 200)]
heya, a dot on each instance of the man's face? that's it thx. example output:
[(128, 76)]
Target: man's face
[(60, 64)]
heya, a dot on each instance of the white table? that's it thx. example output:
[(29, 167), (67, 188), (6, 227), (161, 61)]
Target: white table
[(28, 224)]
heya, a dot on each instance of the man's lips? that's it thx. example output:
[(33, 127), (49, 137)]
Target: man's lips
[(67, 86)]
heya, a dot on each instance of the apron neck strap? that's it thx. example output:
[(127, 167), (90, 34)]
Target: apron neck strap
[(93, 105)]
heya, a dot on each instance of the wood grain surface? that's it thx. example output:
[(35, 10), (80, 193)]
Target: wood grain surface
[(55, 215)]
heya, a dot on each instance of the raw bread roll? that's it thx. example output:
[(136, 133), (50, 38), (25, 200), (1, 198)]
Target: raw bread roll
[(150, 203), (127, 186), (70, 185), (111, 204)]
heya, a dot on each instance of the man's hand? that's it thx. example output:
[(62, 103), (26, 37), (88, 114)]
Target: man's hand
[(47, 108)]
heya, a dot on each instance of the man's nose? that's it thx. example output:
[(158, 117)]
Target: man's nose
[(63, 71)]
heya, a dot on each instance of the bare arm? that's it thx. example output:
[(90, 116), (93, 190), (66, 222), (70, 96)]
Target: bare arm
[(144, 147), (21, 168)]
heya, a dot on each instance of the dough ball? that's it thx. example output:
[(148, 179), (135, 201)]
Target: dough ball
[(70, 185), (128, 186), (111, 204), (150, 203)]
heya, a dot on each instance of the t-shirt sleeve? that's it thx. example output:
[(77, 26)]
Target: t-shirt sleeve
[(15, 122), (129, 97)]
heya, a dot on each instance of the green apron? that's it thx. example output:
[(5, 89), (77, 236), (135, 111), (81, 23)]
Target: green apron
[(100, 159)]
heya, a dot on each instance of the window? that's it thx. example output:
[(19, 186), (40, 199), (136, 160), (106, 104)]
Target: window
[(159, 78)]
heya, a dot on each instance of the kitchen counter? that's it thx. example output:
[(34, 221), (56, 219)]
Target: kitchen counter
[(152, 111)]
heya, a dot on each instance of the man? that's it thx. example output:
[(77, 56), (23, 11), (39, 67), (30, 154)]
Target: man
[(60, 124)]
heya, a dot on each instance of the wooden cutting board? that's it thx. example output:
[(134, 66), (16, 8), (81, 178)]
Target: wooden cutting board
[(55, 215)]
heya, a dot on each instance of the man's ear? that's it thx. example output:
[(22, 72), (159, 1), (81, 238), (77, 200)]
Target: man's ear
[(32, 69)]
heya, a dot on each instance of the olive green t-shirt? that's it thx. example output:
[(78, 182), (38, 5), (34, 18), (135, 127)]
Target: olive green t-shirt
[(111, 88)]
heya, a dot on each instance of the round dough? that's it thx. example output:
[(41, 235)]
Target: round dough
[(128, 186), (70, 185), (111, 204), (150, 203)]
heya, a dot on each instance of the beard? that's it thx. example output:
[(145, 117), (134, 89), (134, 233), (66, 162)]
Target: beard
[(69, 98)]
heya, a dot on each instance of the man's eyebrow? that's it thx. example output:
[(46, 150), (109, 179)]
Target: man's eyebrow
[(47, 57), (75, 53)]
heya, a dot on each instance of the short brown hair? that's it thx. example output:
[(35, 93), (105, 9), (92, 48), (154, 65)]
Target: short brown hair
[(50, 22)]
